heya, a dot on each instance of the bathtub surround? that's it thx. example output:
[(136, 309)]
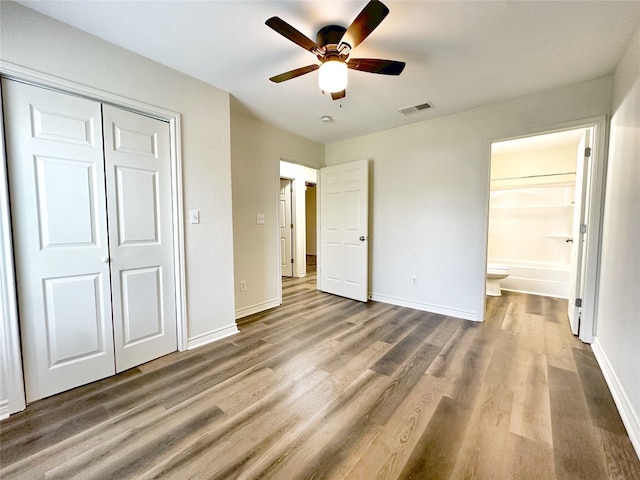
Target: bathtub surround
[(529, 225), (531, 211)]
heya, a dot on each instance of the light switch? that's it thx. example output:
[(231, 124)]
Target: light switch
[(260, 218), (194, 216)]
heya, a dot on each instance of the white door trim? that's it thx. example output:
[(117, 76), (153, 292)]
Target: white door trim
[(12, 398), (12, 71), (588, 321)]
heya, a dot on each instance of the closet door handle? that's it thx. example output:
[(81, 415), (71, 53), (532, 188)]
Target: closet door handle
[(104, 259)]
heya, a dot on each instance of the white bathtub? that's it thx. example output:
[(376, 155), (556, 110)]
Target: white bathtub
[(534, 277)]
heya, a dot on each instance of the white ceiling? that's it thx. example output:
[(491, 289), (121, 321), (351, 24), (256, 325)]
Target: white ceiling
[(459, 54)]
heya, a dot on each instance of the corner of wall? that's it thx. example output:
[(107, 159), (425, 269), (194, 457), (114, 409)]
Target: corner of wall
[(625, 407)]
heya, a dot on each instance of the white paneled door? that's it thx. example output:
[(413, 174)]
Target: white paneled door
[(344, 213), (75, 285), (580, 211), (286, 226), (138, 178)]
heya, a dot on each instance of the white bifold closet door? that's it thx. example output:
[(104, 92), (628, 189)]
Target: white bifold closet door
[(90, 191), (138, 178)]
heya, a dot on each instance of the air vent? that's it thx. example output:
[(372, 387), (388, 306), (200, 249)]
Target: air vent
[(415, 108)]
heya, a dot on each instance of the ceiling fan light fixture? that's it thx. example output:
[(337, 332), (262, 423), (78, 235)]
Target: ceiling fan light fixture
[(332, 48), (332, 76)]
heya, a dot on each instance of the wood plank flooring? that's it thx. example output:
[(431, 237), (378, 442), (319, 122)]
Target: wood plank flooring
[(327, 388)]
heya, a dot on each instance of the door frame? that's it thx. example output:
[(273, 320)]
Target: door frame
[(588, 321), (12, 396), (288, 166), (292, 212), (10, 352)]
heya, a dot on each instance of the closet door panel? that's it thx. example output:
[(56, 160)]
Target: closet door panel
[(65, 185), (73, 304), (56, 180), (137, 196), (138, 170)]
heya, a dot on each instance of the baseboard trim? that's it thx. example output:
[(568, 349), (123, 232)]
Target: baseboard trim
[(210, 337), (625, 408), (425, 307), (257, 308)]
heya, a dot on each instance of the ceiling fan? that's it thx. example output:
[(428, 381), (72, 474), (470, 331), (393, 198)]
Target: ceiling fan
[(332, 47)]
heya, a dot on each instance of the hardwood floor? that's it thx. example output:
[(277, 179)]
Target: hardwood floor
[(324, 387)]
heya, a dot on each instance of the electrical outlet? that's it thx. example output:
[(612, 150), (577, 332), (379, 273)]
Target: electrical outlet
[(260, 218), (414, 280), (243, 285)]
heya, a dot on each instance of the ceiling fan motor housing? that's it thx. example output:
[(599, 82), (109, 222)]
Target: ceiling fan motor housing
[(329, 37)]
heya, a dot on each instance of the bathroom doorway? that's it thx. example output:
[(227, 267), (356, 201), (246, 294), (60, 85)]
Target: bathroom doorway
[(541, 199)]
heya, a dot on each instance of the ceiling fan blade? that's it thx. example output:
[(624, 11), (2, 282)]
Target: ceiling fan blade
[(376, 65), (294, 73), (339, 95), (366, 22), (287, 31)]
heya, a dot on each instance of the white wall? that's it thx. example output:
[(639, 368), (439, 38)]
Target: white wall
[(430, 189), (300, 175), (617, 342), (256, 151), (40, 43)]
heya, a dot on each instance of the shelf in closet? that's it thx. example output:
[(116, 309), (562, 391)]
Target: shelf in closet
[(523, 207), (555, 235)]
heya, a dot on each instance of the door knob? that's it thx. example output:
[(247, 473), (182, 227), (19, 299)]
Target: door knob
[(104, 259), (362, 238), (569, 240)]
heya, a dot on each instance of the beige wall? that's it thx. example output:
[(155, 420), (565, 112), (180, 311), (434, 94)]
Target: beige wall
[(40, 43), (256, 151), (542, 161)]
